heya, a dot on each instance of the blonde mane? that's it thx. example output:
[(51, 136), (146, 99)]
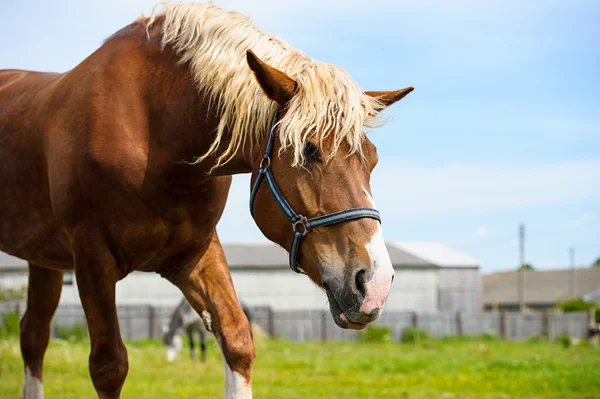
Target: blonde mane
[(328, 103)]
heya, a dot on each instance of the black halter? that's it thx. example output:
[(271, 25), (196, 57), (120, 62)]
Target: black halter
[(301, 225)]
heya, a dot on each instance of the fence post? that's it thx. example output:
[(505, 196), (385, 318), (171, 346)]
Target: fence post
[(129, 323), (151, 321), (546, 325), (324, 326), (503, 325), (592, 316), (271, 322), (415, 319), (459, 326)]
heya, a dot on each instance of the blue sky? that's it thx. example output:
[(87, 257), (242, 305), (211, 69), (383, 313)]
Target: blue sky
[(503, 127)]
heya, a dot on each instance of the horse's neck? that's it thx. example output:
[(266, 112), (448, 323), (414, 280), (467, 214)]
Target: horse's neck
[(186, 126)]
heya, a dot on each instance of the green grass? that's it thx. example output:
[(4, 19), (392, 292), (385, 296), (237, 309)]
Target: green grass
[(435, 369)]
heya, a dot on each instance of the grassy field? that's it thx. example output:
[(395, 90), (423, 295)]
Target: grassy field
[(437, 369)]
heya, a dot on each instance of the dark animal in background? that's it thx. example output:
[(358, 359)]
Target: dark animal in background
[(186, 320)]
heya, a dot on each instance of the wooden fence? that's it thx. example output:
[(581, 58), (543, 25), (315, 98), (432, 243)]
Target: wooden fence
[(146, 322)]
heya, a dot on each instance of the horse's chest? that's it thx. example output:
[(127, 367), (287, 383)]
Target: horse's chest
[(177, 244), (182, 248)]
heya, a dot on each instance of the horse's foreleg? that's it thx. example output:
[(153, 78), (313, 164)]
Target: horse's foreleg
[(43, 294), (97, 274), (209, 283)]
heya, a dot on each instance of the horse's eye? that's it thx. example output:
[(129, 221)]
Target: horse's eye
[(311, 152)]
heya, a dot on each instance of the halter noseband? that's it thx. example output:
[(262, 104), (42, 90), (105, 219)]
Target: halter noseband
[(301, 225)]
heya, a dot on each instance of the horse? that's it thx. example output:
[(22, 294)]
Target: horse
[(186, 319), (124, 163)]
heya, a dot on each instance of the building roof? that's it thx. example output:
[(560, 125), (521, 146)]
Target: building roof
[(593, 296), (269, 256), (263, 255), (436, 254), (402, 254), (541, 287)]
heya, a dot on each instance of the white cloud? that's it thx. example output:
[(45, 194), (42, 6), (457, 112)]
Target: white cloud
[(583, 220), (481, 232)]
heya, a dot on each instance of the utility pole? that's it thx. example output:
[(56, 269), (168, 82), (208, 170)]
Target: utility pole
[(572, 273), (522, 268)]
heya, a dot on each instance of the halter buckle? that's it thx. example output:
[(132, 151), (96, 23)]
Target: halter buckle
[(262, 161), (300, 222)]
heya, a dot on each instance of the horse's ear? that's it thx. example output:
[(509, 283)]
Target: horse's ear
[(277, 85), (387, 98)]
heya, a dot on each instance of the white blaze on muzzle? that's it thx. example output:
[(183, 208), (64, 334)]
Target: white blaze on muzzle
[(378, 287)]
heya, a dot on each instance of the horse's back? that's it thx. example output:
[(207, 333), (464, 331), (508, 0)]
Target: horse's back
[(8, 76), (89, 139)]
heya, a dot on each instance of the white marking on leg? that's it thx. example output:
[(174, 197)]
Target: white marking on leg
[(207, 320), (32, 387), (236, 386)]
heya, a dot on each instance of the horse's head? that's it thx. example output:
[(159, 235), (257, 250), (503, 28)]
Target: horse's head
[(320, 165), (173, 341)]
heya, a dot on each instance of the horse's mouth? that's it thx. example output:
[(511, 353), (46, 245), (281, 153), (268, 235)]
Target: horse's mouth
[(339, 317)]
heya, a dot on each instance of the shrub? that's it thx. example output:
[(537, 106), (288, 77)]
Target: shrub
[(75, 333), (13, 294), (575, 305), (375, 334), (565, 340), (9, 324), (411, 334), (578, 305), (490, 335)]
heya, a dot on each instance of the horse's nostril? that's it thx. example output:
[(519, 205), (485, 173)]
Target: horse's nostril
[(360, 282), (393, 275)]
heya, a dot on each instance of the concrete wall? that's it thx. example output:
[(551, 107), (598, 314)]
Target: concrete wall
[(137, 288), (13, 279), (418, 289), (281, 289), (459, 290), (414, 289)]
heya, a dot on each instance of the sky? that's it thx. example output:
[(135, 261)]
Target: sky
[(503, 127)]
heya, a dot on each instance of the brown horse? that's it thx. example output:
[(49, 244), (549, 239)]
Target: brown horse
[(124, 164)]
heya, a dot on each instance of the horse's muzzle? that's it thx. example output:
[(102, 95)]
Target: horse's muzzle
[(356, 299)]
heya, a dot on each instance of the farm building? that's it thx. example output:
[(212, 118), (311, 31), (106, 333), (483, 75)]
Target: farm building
[(13, 271), (543, 289), (593, 296), (429, 277)]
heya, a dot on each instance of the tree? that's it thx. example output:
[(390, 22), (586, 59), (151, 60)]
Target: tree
[(578, 305), (596, 263), (527, 266)]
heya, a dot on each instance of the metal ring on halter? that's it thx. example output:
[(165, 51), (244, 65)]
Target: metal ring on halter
[(300, 222), (261, 164)]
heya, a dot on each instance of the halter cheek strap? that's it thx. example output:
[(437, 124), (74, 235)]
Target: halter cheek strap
[(301, 225)]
